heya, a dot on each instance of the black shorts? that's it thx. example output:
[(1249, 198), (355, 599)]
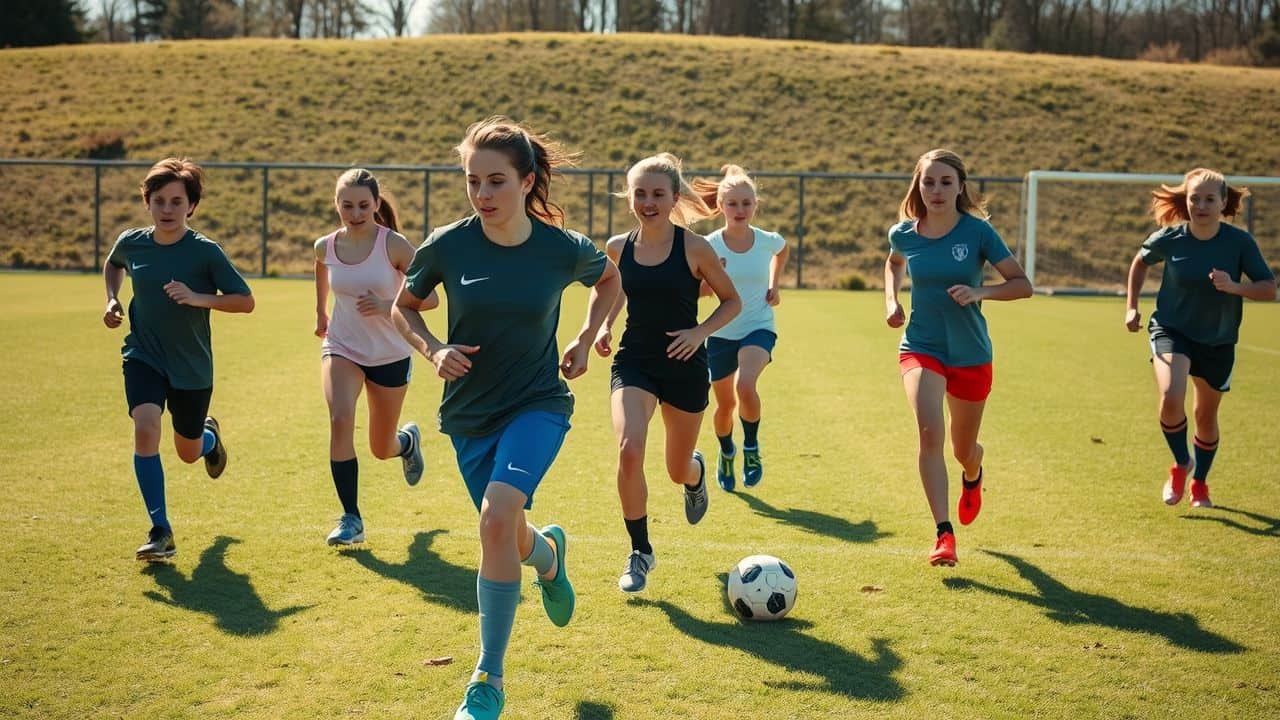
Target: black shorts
[(144, 384), (392, 375), (1211, 363), (687, 393)]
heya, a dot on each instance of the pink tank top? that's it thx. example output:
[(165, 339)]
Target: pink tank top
[(369, 340)]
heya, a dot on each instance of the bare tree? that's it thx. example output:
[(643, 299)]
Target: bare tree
[(395, 15)]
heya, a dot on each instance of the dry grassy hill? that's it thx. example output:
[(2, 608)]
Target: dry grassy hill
[(768, 105)]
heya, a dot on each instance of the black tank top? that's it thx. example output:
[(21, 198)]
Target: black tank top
[(660, 298)]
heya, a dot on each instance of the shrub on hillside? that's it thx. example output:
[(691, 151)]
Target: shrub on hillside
[(1229, 56), (852, 281), (1266, 48), (1170, 52), (105, 145)]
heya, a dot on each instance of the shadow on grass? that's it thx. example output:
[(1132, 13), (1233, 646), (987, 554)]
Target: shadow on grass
[(588, 710), (439, 581), (782, 644), (815, 522), (214, 589), (1072, 607), (1271, 526)]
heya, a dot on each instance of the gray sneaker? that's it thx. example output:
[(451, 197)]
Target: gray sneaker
[(159, 545), (413, 464), (350, 530), (638, 566), (695, 501)]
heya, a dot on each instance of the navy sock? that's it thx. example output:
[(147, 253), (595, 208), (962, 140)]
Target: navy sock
[(150, 474), (346, 480), (945, 527), (638, 529), (726, 444), (1204, 458), (406, 442), (749, 430), (497, 602), (1176, 436)]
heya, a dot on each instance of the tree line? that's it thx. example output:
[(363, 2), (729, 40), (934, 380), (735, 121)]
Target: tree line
[(1230, 31)]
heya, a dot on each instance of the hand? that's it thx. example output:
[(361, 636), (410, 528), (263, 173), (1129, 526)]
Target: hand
[(322, 324), (574, 362), (1223, 282), (368, 303), (895, 316), (772, 296), (603, 339), (963, 294), (114, 314), (451, 361), (180, 293), (1132, 319), (686, 343)]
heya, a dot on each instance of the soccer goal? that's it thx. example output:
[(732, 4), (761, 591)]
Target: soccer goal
[(1080, 230)]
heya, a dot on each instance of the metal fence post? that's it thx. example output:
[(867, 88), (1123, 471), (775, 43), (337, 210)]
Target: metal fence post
[(97, 216), (608, 193), (426, 203), (266, 213), (800, 238), (591, 191)]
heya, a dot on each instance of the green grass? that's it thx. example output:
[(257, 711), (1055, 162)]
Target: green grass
[(767, 105), (1078, 594)]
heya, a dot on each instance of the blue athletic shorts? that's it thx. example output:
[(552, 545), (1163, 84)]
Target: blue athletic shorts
[(722, 355), (519, 454)]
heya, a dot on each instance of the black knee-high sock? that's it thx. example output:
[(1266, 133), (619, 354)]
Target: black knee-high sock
[(346, 474), (945, 527), (1176, 436), (638, 529), (749, 431), (1204, 458), (726, 443)]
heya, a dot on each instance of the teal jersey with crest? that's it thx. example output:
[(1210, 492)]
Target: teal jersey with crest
[(938, 326)]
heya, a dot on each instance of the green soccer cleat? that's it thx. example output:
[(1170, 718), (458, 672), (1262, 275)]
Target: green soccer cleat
[(557, 594), (481, 702), (724, 471)]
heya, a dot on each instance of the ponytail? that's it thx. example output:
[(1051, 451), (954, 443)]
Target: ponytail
[(1169, 204), (711, 190), (529, 152), (385, 214), (691, 205)]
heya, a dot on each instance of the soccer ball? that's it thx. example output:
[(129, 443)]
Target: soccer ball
[(761, 587)]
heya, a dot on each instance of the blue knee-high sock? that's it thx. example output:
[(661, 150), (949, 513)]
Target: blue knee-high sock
[(1204, 458), (749, 431), (1176, 436), (150, 475), (498, 601), (209, 440)]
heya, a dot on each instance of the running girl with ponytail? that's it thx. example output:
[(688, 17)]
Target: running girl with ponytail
[(363, 263), (505, 408), (739, 352)]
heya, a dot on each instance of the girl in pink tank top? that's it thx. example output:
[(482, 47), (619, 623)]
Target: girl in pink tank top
[(363, 264)]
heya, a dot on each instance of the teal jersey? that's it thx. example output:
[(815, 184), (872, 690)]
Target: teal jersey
[(506, 300), (172, 338), (938, 326), (1187, 301)]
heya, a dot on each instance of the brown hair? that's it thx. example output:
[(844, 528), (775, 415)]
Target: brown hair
[(968, 201), (385, 214), (1169, 204), (529, 152), (691, 206), (710, 190), (170, 170)]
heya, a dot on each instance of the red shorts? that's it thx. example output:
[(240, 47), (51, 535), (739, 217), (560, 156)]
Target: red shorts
[(972, 383)]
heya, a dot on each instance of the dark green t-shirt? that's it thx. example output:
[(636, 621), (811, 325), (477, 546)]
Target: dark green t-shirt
[(506, 300), (1187, 301), (172, 338)]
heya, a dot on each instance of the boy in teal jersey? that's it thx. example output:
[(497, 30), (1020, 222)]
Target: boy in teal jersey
[(1199, 307), (505, 408), (945, 351), (177, 276)]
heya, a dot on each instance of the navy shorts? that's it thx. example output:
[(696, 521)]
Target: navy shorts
[(392, 375), (722, 355), (688, 394), (519, 455), (144, 384), (1211, 363)]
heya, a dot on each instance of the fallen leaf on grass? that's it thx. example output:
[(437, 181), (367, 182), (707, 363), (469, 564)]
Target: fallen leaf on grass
[(1096, 440), (872, 589), (444, 660)]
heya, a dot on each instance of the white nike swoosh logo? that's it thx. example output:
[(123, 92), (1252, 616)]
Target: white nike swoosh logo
[(513, 468), (468, 281), (153, 512), (136, 266), (1175, 258)]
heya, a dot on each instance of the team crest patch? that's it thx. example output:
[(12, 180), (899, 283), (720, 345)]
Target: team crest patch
[(959, 252)]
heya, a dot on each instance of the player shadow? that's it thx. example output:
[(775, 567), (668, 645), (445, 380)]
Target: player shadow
[(439, 581), (1072, 607), (1271, 526), (781, 643), (588, 710), (216, 590), (816, 522)]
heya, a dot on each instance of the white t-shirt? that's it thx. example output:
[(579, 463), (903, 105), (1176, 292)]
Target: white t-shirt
[(749, 272)]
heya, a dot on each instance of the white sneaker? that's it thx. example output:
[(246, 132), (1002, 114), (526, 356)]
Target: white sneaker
[(638, 566), (350, 530)]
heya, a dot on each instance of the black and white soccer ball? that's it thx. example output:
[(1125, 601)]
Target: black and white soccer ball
[(761, 587)]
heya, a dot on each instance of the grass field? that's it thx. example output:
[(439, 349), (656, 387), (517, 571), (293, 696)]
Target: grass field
[(1078, 594), (769, 105)]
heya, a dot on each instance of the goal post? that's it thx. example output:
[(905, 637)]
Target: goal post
[(1032, 196)]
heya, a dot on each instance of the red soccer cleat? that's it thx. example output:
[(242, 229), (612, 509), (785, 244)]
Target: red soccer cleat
[(1200, 494), (944, 551), (1177, 482), (970, 499)]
